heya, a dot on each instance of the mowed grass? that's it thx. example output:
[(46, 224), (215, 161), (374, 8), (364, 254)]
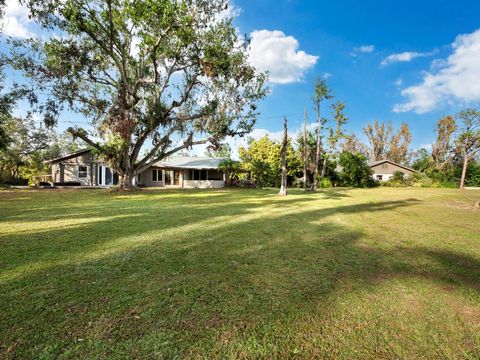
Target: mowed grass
[(373, 273)]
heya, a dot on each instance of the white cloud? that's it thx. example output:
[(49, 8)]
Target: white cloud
[(232, 10), (455, 79), (399, 82), (326, 75), (15, 21), (406, 56), (236, 142), (277, 53), (364, 49), (425, 146)]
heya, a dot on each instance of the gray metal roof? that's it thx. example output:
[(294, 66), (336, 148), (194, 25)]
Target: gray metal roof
[(187, 162)]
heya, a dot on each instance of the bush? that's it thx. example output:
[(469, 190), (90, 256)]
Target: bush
[(398, 176), (398, 180), (416, 179), (324, 183), (355, 171)]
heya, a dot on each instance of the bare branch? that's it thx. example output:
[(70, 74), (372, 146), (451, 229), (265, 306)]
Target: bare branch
[(186, 145)]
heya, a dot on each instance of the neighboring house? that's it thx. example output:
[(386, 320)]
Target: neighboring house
[(383, 170), (83, 168)]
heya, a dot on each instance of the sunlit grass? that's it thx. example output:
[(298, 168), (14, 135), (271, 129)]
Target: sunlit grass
[(385, 273)]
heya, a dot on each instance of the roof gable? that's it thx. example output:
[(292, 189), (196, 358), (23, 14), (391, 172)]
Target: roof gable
[(69, 156), (379, 162)]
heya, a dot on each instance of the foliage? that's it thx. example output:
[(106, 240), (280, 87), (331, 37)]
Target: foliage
[(355, 170), (23, 158), (31, 145), (231, 168), (224, 150), (324, 183), (337, 133), (141, 71), (398, 176), (468, 140), (262, 159), (378, 136), (387, 144), (441, 150), (422, 160), (310, 145), (321, 93), (353, 145), (399, 142)]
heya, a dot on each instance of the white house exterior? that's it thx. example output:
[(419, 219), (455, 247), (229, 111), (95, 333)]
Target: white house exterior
[(84, 169), (184, 172), (383, 170)]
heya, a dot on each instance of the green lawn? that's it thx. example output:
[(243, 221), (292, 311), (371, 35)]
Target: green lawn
[(384, 273)]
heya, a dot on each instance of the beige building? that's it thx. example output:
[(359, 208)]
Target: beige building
[(84, 169), (184, 172), (383, 170)]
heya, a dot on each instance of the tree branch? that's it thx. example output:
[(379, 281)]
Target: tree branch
[(185, 145), (82, 134)]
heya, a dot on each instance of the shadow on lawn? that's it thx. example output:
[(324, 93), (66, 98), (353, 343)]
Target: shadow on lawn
[(192, 269)]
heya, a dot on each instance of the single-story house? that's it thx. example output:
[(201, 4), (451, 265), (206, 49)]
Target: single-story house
[(383, 170), (83, 168)]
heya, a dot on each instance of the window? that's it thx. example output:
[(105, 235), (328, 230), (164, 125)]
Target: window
[(198, 175), (168, 178), (215, 175), (380, 177), (82, 172), (108, 176), (156, 175)]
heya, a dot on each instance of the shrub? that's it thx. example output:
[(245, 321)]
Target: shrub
[(355, 171), (398, 176), (325, 183)]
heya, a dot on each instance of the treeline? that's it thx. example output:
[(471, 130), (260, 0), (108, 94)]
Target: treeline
[(327, 155), (26, 146)]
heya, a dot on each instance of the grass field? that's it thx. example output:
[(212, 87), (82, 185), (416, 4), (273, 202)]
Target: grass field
[(377, 273)]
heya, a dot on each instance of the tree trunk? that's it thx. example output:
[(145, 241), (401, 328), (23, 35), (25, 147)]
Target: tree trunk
[(319, 150), (464, 171), (305, 149), (324, 166), (283, 187), (125, 181)]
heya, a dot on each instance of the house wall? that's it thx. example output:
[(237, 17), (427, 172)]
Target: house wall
[(185, 181), (203, 184), (386, 170), (67, 170), (146, 178)]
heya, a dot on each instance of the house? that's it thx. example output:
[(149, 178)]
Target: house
[(383, 170), (85, 169)]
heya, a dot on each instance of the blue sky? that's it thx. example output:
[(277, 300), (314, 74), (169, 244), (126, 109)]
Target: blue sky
[(411, 61), (351, 39)]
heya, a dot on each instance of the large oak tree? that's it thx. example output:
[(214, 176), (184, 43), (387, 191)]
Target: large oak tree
[(166, 73)]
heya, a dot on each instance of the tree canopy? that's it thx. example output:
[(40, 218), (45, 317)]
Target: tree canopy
[(157, 73), (263, 160)]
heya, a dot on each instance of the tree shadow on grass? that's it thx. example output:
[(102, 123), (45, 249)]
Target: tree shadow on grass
[(219, 279)]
